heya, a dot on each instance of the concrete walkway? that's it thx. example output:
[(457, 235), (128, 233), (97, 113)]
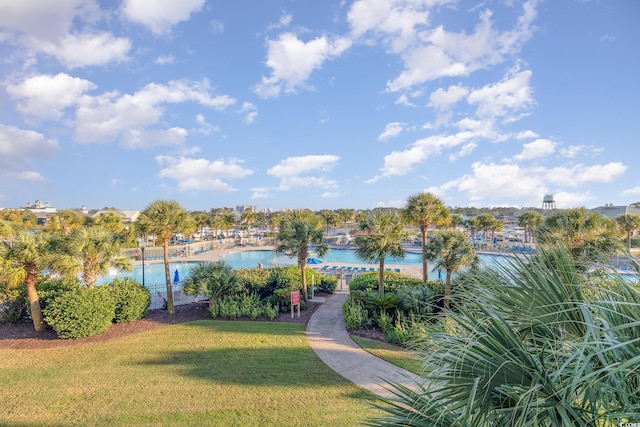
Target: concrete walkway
[(327, 335)]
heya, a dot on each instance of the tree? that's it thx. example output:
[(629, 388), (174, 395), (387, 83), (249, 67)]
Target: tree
[(248, 217), (201, 220), (383, 234), (485, 222), (587, 234), (345, 216), (298, 230), (111, 220), (162, 218), (452, 252), (628, 223), (531, 343), (424, 210), (94, 249), (330, 219), (214, 280), (65, 220), (530, 221), (22, 260), (6, 230)]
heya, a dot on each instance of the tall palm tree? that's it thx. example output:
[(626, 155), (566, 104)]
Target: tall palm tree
[(345, 216), (110, 220), (424, 210), (452, 252), (485, 221), (248, 217), (162, 218), (383, 234), (330, 218), (532, 343), (22, 260), (299, 229), (201, 220), (628, 223), (530, 221), (95, 249)]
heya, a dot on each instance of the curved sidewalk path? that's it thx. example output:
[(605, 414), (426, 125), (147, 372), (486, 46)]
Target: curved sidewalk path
[(327, 335)]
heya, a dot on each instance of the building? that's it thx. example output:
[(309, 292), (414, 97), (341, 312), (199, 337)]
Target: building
[(611, 211)]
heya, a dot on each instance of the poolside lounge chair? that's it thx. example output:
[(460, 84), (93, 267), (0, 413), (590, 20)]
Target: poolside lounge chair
[(371, 269), (397, 270)]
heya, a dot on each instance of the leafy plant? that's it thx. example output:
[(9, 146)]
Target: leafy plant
[(132, 300), (214, 280), (355, 315), (80, 313), (328, 284), (381, 302)]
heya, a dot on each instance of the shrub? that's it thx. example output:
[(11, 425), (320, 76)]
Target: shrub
[(50, 289), (355, 315), (132, 300), (392, 282), (418, 301), (328, 284), (80, 313), (260, 281), (381, 302), (214, 280), (385, 322), (13, 303), (271, 311)]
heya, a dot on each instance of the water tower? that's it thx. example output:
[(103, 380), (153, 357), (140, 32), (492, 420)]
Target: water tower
[(548, 203)]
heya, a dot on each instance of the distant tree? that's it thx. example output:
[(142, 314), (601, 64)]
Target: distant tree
[(530, 221), (111, 220), (345, 216), (201, 220), (628, 223), (6, 229), (65, 221), (248, 217), (330, 219), (451, 251), (485, 221), (298, 230), (162, 218), (383, 234), (424, 210)]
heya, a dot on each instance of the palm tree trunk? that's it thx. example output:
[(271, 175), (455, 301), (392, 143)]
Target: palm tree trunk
[(301, 266), (381, 277), (447, 290), (167, 275), (34, 304), (425, 264)]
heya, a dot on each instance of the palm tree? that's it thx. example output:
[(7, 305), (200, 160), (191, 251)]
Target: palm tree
[(22, 260), (110, 220), (587, 234), (330, 218), (248, 217), (383, 234), (628, 223), (6, 230), (162, 218), (345, 216), (95, 249), (485, 221), (424, 210), (452, 252), (201, 221), (299, 229), (65, 220), (530, 221)]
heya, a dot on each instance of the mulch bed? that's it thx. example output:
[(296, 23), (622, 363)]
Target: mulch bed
[(23, 336)]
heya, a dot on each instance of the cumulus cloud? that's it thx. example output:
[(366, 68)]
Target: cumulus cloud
[(510, 95), (160, 15), (260, 193), (392, 130), (444, 99), (305, 171), (202, 174), (48, 27), (536, 149), (112, 116), (19, 146), (292, 61), (574, 176), (46, 96)]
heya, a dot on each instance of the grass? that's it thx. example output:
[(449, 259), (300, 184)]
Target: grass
[(406, 359), (200, 373)]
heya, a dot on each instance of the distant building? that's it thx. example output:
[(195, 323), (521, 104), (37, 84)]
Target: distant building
[(128, 217), (611, 211), (242, 208)]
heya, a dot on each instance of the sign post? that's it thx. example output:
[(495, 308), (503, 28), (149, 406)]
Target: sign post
[(295, 300)]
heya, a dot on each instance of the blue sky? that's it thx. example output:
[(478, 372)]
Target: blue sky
[(319, 104)]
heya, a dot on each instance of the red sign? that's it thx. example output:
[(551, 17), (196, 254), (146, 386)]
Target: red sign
[(295, 298)]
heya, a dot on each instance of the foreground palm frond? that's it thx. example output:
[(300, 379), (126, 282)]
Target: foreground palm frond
[(532, 343)]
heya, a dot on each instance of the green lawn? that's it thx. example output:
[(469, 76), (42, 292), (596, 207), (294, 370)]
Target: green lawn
[(399, 356), (202, 373)]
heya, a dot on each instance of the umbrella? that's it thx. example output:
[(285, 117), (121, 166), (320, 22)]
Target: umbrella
[(176, 276), (314, 261)]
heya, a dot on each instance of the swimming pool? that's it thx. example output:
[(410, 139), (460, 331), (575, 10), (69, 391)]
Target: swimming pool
[(153, 273)]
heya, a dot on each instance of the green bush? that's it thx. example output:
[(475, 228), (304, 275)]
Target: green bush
[(355, 315), (214, 280), (381, 302), (13, 303), (50, 289), (392, 282), (132, 300), (80, 313), (418, 301), (260, 281), (328, 284)]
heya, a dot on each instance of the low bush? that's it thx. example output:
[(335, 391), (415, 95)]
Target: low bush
[(328, 284), (80, 313), (13, 303), (392, 282), (418, 301), (355, 315), (132, 300)]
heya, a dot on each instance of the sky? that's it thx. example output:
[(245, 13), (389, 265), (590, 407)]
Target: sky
[(319, 104)]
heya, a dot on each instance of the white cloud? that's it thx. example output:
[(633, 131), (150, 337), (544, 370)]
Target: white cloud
[(442, 99), (438, 53), (110, 116), (165, 59), (392, 130), (292, 61), (202, 174), (635, 191), (19, 146), (305, 171), (160, 15), (501, 99), (527, 134), (260, 193), (29, 176), (48, 27), (571, 151), (536, 149), (580, 174), (250, 112), (46, 96)]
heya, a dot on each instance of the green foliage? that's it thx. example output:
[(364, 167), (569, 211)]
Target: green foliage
[(80, 313), (13, 303), (50, 289), (237, 306), (328, 284), (271, 311), (381, 302), (385, 321), (392, 282), (132, 300), (257, 280), (355, 315), (214, 280), (288, 278), (418, 301)]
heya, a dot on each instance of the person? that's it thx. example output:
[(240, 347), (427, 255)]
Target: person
[(259, 265)]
